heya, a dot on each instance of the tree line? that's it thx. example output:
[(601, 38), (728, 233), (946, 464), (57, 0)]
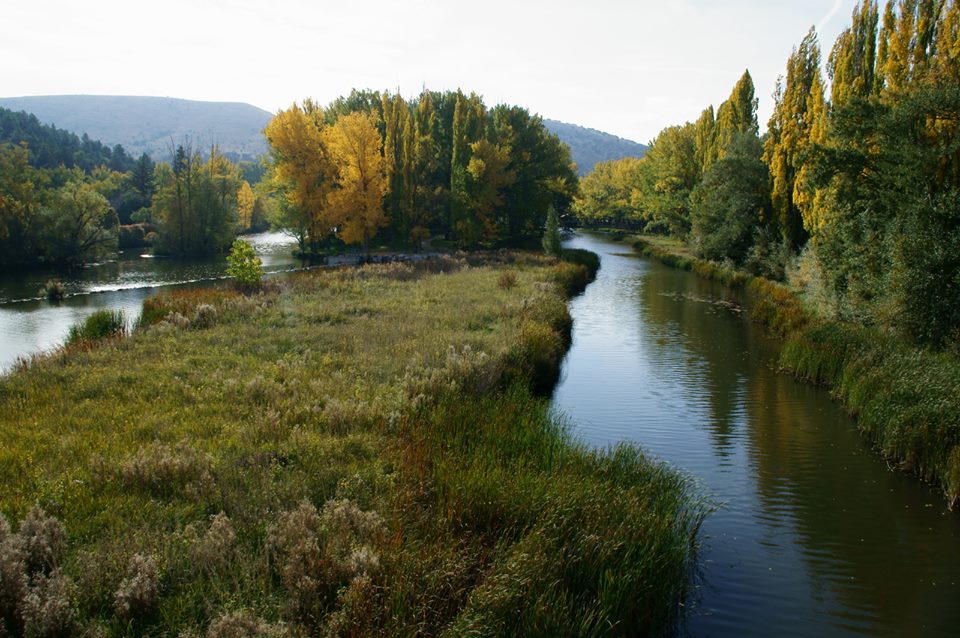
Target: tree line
[(853, 193), (377, 166), (66, 200)]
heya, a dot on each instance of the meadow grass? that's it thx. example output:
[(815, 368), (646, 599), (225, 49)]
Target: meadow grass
[(906, 399), (353, 452)]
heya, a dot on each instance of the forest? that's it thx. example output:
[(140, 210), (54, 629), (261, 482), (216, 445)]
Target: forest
[(370, 168), (852, 193), (376, 165)]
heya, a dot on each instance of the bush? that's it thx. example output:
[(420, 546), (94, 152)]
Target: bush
[(54, 290), (507, 280), (551, 233), (100, 325), (138, 593), (244, 265)]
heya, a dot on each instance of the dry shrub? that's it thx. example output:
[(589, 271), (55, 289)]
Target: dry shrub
[(13, 577), (160, 468), (48, 609), (244, 624), (138, 593), (465, 369), (36, 599), (507, 280), (183, 302), (358, 606), (204, 316), (215, 550), (319, 552), (295, 541), (43, 539)]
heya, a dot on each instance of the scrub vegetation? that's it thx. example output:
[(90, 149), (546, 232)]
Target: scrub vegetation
[(351, 452)]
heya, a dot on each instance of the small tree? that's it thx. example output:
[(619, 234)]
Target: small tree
[(551, 233), (244, 265)]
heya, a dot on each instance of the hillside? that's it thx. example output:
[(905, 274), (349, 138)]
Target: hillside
[(151, 124), (51, 147), (589, 146)]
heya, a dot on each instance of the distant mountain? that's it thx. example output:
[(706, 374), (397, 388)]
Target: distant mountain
[(589, 146), (151, 124)]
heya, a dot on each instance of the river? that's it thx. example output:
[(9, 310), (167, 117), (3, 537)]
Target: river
[(30, 324), (812, 535)]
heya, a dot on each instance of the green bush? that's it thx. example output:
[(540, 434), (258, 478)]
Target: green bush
[(100, 325), (244, 266)]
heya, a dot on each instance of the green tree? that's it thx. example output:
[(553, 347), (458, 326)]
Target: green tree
[(79, 225), (551, 233), (670, 172), (727, 206), (244, 265), (196, 203)]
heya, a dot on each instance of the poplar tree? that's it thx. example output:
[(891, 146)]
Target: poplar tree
[(853, 59), (789, 138), (705, 139), (737, 116)]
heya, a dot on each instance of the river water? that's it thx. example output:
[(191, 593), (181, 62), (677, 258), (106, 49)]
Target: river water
[(813, 536), (30, 324)]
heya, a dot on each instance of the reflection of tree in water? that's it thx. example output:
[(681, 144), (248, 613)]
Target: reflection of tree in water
[(869, 544), (869, 538), (694, 324)]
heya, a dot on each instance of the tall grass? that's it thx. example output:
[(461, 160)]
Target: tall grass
[(362, 451), (100, 325), (907, 401)]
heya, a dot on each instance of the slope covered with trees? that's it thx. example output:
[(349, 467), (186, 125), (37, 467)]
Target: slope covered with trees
[(153, 125), (588, 146), (51, 147), (853, 191)]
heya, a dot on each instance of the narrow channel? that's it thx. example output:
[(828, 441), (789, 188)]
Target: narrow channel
[(812, 535)]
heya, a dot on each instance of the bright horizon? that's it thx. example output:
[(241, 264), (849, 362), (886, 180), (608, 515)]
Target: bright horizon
[(626, 68)]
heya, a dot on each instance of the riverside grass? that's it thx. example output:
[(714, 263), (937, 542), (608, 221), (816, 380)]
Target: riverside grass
[(906, 400), (353, 452)]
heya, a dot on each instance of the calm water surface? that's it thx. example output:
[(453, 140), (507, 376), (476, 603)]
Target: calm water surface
[(29, 323), (813, 535)]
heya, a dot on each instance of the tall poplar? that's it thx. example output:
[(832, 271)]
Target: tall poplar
[(789, 137), (737, 116)]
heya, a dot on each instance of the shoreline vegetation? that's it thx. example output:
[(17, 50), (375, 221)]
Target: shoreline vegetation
[(904, 397), (354, 451)]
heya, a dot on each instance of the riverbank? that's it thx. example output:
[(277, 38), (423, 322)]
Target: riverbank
[(906, 400), (357, 451)]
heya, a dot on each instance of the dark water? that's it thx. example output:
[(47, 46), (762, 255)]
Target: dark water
[(813, 536), (29, 323)]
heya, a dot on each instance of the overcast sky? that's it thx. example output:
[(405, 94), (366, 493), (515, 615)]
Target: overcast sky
[(626, 67)]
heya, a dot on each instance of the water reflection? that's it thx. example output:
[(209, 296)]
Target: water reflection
[(815, 536), (29, 323)]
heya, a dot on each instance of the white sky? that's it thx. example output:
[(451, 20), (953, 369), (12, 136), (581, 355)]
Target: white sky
[(626, 67)]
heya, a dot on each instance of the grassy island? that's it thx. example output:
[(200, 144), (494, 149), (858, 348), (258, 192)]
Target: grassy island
[(349, 452)]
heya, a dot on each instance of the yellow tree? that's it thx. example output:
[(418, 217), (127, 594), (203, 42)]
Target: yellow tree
[(302, 171), (489, 168), (246, 201), (357, 203)]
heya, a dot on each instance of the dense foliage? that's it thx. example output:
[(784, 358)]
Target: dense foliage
[(51, 147), (854, 195), (376, 165)]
